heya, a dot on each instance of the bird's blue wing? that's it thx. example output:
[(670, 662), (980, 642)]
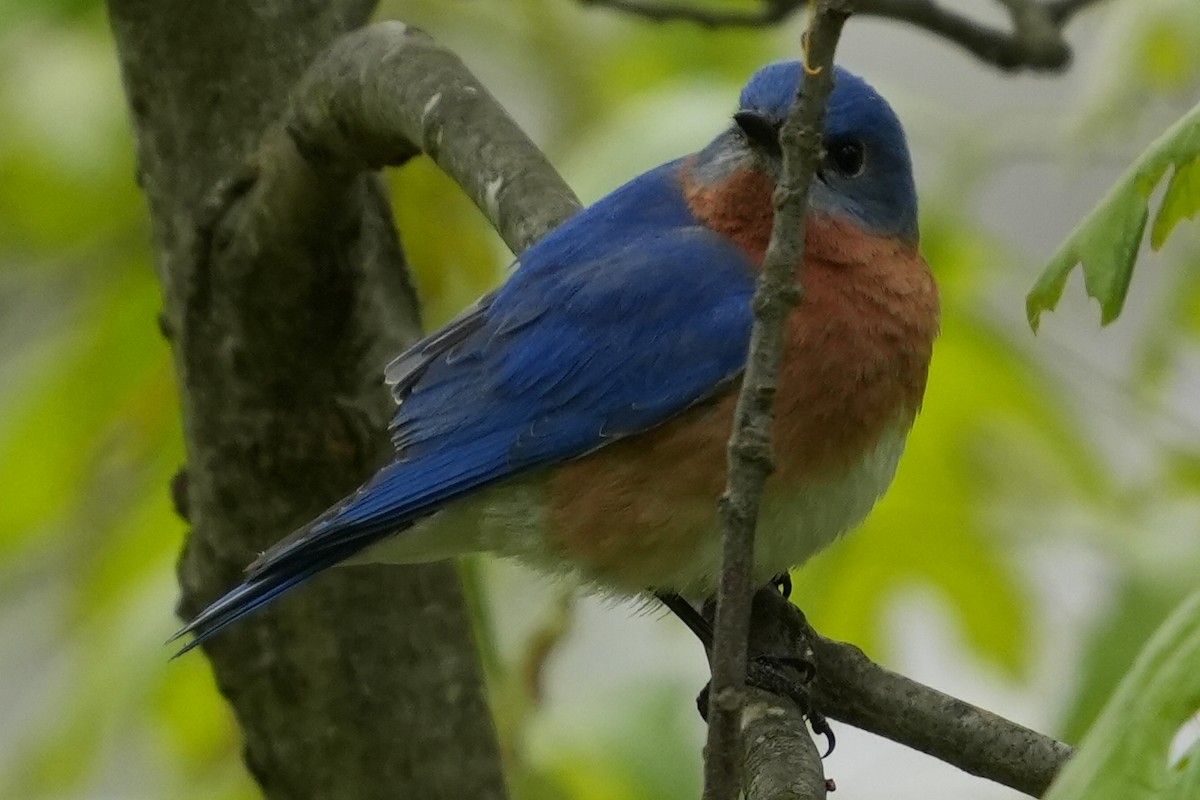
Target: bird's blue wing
[(562, 362), (565, 357)]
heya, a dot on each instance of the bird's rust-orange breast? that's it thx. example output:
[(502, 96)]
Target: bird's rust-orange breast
[(856, 358)]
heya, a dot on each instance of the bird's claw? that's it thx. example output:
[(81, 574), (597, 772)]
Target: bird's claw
[(774, 674), (783, 583), (820, 726)]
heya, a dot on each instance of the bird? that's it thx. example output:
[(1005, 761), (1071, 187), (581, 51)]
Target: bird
[(577, 417)]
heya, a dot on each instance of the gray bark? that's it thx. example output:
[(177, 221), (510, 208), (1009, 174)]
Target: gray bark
[(850, 687), (284, 294)]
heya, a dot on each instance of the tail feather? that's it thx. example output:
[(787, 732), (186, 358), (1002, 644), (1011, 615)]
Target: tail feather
[(236, 604), (398, 495), (261, 587)]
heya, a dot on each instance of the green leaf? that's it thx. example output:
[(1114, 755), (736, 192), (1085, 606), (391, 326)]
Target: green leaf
[(1126, 754), (1181, 201), (1107, 240)]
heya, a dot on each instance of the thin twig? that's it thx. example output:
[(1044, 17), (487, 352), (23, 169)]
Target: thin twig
[(1035, 40), (767, 13), (750, 451)]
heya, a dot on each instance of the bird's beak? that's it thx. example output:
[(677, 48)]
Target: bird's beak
[(760, 130)]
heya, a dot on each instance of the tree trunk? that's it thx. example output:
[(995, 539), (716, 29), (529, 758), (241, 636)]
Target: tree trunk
[(364, 684)]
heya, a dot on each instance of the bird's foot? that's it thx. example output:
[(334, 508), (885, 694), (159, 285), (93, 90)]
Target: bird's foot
[(778, 675)]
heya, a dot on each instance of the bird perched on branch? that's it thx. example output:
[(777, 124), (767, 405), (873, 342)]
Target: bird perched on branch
[(577, 417)]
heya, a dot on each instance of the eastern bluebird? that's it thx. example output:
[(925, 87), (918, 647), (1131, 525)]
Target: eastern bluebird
[(577, 416)]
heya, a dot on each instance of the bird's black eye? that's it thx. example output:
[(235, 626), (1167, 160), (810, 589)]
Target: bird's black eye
[(760, 130), (846, 157)]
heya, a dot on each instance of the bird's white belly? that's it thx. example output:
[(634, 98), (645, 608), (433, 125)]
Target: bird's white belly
[(795, 526)]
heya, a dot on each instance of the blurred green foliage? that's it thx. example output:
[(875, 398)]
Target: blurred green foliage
[(1002, 458), (1126, 755), (1108, 239)]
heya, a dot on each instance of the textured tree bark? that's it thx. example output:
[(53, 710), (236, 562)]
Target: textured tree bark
[(780, 761), (366, 684), (850, 687)]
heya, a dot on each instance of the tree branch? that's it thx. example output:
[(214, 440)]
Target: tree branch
[(781, 761), (850, 687), (285, 291), (1035, 40), (387, 92), (750, 444)]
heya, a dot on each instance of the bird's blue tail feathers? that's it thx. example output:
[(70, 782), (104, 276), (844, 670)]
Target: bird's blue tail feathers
[(264, 584), (397, 496)]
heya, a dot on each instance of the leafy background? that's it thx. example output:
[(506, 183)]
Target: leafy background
[(1044, 521)]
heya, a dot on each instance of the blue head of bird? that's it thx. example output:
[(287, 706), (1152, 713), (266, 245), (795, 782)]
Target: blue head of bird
[(865, 175)]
